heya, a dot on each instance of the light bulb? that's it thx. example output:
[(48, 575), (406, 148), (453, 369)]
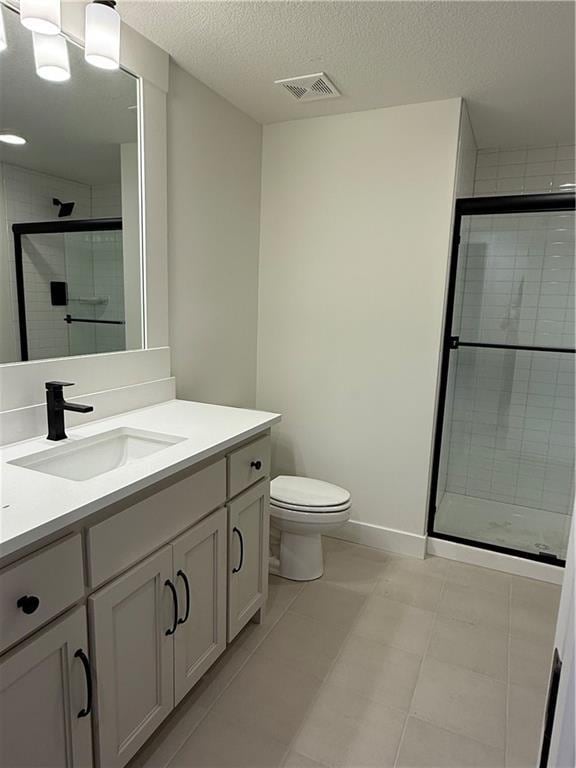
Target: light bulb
[(51, 57), (3, 43), (102, 35), (41, 16)]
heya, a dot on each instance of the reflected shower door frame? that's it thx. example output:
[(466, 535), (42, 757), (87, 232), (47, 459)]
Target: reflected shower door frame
[(470, 206), (41, 228)]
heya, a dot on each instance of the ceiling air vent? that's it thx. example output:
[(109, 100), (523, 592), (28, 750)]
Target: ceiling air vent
[(310, 87)]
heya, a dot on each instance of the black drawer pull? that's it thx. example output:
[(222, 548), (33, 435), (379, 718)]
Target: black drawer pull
[(187, 588), (28, 603), (86, 664), (172, 589), (256, 464), (240, 564)]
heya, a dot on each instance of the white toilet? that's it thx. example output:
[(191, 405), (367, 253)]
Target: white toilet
[(301, 510)]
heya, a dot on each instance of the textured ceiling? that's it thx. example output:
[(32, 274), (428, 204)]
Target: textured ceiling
[(512, 61), (73, 129)]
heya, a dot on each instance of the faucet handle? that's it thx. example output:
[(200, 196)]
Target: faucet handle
[(51, 385)]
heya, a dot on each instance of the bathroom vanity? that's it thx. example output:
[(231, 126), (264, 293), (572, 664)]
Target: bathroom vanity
[(118, 590)]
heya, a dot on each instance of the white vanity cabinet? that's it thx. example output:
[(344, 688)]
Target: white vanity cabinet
[(166, 577), (45, 692), (132, 658), (156, 630), (200, 561), (248, 543)]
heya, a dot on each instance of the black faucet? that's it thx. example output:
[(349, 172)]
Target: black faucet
[(56, 405)]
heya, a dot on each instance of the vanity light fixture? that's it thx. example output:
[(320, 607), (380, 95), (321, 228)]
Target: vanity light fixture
[(102, 34), (41, 16), (51, 57), (3, 43), (12, 138)]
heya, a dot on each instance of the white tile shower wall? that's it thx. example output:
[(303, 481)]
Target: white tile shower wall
[(109, 284), (28, 197), (525, 170), (511, 437), (516, 280), (107, 200), (108, 269)]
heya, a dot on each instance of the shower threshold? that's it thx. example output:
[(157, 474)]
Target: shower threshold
[(508, 526)]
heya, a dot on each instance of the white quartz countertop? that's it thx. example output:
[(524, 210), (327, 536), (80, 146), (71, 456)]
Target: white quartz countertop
[(35, 505)]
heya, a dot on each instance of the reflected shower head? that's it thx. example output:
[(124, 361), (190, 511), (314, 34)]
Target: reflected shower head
[(65, 208)]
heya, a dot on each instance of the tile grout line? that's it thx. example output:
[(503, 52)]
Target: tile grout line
[(333, 664), (508, 665), (429, 640), (407, 713), (229, 683)]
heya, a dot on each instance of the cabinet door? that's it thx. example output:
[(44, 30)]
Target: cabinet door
[(200, 575), (248, 533), (43, 690), (133, 657)]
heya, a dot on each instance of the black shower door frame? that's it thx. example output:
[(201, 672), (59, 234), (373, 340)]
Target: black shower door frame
[(471, 206), (45, 228)]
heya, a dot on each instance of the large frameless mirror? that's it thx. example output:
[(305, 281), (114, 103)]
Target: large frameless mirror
[(70, 245)]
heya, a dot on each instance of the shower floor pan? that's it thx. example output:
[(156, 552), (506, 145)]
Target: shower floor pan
[(504, 525)]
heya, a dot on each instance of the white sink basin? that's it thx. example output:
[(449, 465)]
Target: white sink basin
[(92, 456)]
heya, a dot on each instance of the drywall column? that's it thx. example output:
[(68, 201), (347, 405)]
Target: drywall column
[(214, 153), (9, 341), (464, 188), (355, 234), (131, 245)]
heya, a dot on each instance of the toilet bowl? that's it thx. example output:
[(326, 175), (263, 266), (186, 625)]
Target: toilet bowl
[(301, 510)]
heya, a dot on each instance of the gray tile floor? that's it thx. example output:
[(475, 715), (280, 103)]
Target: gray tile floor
[(385, 661)]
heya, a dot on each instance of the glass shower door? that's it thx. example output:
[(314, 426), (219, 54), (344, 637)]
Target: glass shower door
[(504, 465)]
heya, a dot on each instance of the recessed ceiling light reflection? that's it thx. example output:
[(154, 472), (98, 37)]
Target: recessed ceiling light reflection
[(12, 138)]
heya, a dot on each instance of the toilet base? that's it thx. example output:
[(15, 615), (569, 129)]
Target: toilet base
[(301, 557)]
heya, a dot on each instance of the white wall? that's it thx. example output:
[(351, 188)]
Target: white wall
[(213, 229), (355, 234)]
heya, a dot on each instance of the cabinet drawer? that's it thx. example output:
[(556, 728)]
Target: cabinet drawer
[(247, 465), (54, 576), (132, 534)]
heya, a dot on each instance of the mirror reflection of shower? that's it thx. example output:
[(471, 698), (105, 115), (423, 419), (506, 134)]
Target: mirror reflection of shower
[(70, 281), (64, 209)]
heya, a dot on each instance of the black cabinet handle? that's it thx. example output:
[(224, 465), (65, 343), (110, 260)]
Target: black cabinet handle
[(187, 588), (28, 603), (172, 589), (86, 664), (237, 530), (256, 464)]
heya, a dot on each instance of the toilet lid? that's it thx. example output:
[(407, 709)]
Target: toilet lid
[(306, 492)]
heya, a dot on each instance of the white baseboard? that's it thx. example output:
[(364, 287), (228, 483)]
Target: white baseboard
[(518, 566), (414, 545), (387, 539)]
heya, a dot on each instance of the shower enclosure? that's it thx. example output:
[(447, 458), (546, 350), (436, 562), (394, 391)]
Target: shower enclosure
[(70, 287), (503, 468)]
